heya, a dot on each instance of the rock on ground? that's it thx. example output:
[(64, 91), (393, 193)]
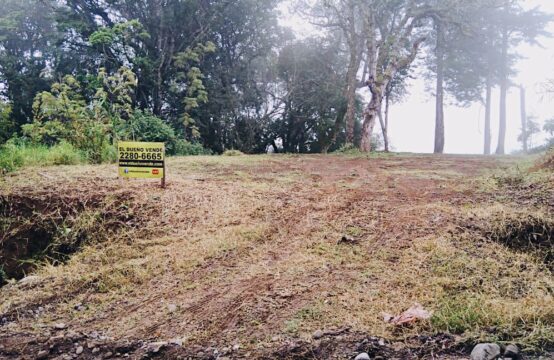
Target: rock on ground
[(486, 352)]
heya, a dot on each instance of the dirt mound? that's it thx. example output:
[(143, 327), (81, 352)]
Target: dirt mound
[(546, 162), (519, 229), (47, 225)]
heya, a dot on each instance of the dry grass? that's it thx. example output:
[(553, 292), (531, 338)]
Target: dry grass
[(247, 249)]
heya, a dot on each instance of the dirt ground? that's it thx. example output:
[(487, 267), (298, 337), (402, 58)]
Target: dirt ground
[(242, 257)]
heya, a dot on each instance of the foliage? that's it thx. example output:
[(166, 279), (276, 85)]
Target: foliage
[(28, 38), (76, 70), (144, 126), (6, 123), (311, 100), (63, 114)]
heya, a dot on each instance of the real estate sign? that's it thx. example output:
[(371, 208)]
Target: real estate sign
[(144, 160)]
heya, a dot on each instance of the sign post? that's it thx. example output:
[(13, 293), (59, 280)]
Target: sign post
[(144, 160)]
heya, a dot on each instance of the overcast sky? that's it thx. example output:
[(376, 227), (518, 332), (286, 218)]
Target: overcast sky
[(412, 122)]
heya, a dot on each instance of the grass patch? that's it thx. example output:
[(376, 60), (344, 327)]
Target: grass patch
[(233, 153), (13, 156)]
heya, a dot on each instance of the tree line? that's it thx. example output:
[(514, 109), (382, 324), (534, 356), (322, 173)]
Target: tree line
[(212, 75)]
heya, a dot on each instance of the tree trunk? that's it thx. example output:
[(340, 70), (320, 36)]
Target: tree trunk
[(387, 108), (488, 103), (524, 135), (385, 123), (500, 149), (370, 116), (439, 106), (334, 131), (351, 96)]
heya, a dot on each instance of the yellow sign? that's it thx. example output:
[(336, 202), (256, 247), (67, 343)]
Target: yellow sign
[(141, 159)]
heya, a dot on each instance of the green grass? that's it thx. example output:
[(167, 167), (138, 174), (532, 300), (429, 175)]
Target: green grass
[(13, 156)]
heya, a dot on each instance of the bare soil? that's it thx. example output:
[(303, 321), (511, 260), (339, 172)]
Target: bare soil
[(241, 257)]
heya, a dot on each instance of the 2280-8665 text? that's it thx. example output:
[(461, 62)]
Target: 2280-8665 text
[(141, 156)]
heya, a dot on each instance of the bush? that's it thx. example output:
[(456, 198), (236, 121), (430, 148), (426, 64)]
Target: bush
[(144, 126), (183, 147)]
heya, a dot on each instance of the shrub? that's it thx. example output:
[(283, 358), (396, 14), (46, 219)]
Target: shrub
[(233, 152), (183, 147), (144, 126), (10, 158)]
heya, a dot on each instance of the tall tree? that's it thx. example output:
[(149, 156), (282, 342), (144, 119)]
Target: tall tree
[(523, 111), (343, 16), (515, 26), (27, 52), (394, 32)]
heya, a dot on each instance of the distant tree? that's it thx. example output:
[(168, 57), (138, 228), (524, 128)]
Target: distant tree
[(342, 16), (28, 38), (311, 96), (461, 59), (514, 25), (532, 128), (396, 91), (549, 126), (394, 33)]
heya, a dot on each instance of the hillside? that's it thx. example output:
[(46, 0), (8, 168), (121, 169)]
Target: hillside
[(277, 257)]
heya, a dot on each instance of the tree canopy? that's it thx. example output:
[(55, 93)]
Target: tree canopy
[(225, 74)]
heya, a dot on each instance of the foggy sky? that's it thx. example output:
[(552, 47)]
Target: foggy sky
[(412, 122)]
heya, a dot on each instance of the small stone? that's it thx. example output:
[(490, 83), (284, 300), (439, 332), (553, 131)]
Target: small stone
[(486, 352), (156, 346), (56, 338), (29, 279), (79, 350), (362, 356), (178, 342), (236, 347), (171, 308), (318, 334), (60, 326), (512, 351), (108, 355), (95, 350), (43, 354)]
